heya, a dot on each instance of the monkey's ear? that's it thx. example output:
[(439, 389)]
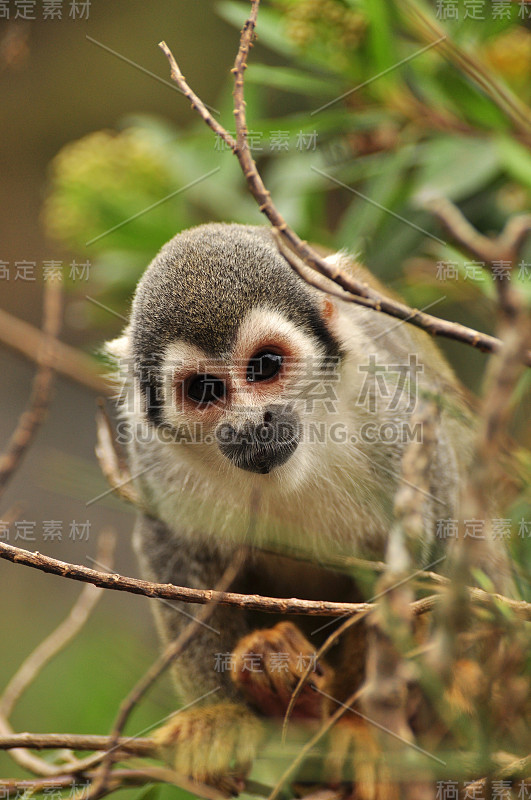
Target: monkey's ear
[(330, 315), (328, 309), (329, 304)]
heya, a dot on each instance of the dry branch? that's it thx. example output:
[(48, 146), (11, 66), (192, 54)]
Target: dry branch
[(32, 418), (389, 675), (308, 747), (70, 741), (334, 637), (503, 373), (120, 778), (73, 364), (45, 651), (111, 460), (168, 591), (252, 602), (172, 651), (359, 291), (502, 248), (63, 634), (499, 93)]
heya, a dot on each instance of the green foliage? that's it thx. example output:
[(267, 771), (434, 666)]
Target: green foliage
[(409, 122)]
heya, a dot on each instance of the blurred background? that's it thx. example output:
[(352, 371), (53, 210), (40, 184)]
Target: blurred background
[(358, 111)]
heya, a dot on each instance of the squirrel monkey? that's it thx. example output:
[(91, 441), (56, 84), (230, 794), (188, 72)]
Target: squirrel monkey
[(260, 411)]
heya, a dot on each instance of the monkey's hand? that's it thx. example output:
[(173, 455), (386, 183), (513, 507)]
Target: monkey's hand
[(214, 744), (267, 666), (217, 744)]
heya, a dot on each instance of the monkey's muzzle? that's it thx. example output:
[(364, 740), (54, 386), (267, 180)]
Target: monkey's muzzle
[(259, 447)]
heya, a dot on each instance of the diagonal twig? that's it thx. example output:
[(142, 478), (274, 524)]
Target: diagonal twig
[(47, 650), (74, 364), (172, 651), (360, 291), (111, 461), (33, 416)]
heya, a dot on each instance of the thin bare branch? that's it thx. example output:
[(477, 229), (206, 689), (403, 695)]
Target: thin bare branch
[(46, 650), (308, 747), (32, 418), (64, 633), (385, 692), (196, 102), (503, 248), (503, 373), (71, 741), (119, 779), (322, 651), (111, 460), (166, 775), (499, 93), (254, 602), (17, 787), (172, 651), (67, 361), (342, 563), (168, 591), (23, 757), (360, 291)]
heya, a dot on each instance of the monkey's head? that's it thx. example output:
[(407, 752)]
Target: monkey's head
[(230, 351)]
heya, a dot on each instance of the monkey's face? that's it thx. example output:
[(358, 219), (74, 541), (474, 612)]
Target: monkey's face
[(230, 350), (249, 408)]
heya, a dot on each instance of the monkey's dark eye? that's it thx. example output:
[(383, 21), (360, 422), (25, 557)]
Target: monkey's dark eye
[(205, 389), (263, 366)]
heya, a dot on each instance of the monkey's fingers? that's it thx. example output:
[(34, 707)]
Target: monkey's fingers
[(268, 665), (214, 744)]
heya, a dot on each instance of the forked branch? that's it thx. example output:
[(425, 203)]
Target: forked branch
[(358, 291)]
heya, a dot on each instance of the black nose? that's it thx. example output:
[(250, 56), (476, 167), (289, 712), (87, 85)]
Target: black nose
[(263, 446)]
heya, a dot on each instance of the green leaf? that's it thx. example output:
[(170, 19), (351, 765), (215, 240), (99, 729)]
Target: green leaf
[(515, 158), (151, 793), (291, 181), (369, 213), (293, 80), (456, 166), (381, 40), (331, 121), (483, 580)]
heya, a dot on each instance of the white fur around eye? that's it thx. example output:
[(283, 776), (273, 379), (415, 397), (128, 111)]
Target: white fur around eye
[(262, 327)]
